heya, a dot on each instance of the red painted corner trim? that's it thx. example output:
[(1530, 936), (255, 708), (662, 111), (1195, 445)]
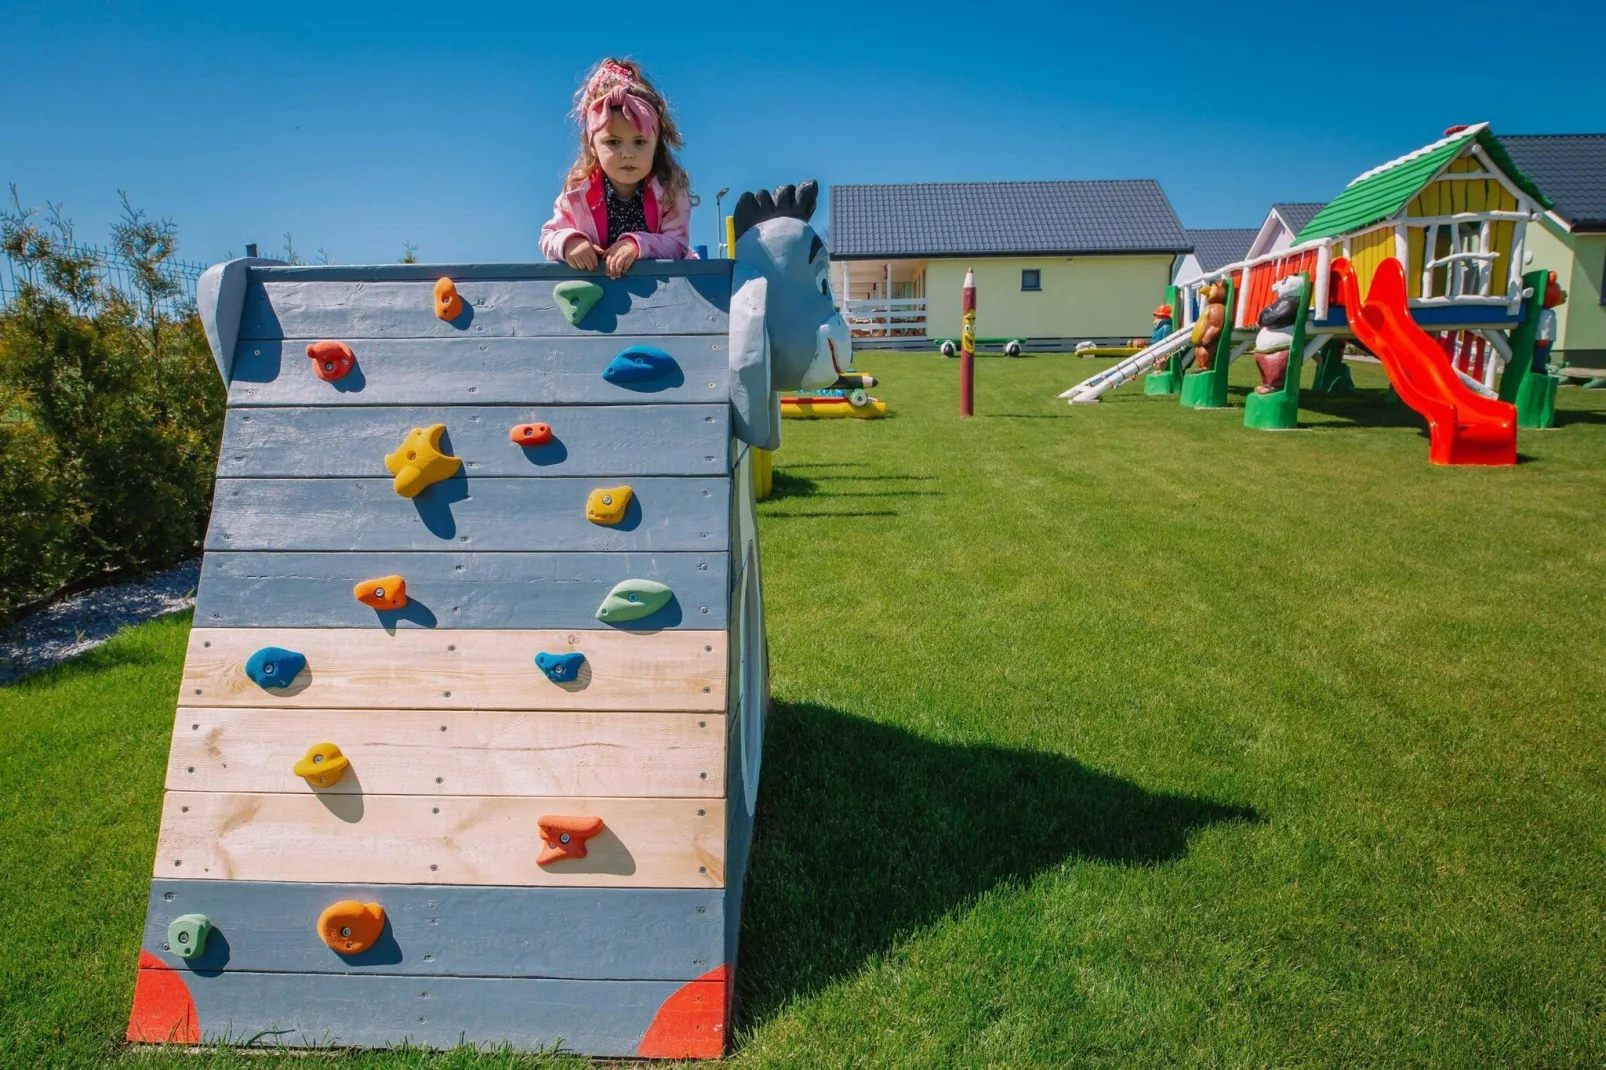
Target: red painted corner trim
[(692, 1023), (163, 1011)]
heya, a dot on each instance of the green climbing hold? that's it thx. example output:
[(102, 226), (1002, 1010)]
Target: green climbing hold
[(187, 933), (576, 297), (632, 600)]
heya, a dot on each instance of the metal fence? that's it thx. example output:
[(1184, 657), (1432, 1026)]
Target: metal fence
[(115, 270)]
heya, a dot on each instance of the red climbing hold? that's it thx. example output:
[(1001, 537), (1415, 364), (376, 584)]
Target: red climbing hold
[(530, 434), (692, 1023), (331, 360), (164, 1012), (565, 837)]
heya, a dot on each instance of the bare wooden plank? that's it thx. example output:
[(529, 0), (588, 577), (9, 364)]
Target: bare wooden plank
[(633, 305), (420, 752), (441, 839), (480, 371), (465, 670), (256, 589), (486, 514), (592, 440), (671, 934), (599, 1018)]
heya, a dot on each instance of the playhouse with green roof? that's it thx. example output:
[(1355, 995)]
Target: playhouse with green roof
[(1455, 213)]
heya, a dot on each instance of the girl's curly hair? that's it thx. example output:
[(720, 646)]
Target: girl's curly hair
[(608, 73)]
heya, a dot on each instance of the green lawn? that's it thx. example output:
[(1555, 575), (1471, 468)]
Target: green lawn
[(1113, 736)]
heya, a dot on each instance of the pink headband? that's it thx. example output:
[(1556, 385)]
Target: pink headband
[(642, 116)]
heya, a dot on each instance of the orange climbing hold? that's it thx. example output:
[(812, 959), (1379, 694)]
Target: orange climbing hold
[(350, 927), (565, 837), (387, 592), (322, 765), (531, 434), (448, 303), (331, 360)]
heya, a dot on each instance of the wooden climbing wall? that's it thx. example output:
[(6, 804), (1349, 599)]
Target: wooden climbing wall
[(459, 745)]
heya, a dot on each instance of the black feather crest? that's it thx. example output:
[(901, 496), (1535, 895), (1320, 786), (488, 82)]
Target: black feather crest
[(794, 202)]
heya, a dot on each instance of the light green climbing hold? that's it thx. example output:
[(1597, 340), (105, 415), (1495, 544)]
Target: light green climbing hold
[(632, 600), (576, 297), (187, 933)]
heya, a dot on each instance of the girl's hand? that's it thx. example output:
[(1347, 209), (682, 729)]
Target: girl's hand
[(581, 253), (621, 256)]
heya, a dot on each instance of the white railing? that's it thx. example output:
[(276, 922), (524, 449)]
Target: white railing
[(881, 317)]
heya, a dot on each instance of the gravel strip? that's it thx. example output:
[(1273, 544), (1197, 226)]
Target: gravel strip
[(87, 619)]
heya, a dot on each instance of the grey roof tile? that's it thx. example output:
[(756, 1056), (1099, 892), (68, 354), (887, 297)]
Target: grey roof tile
[(934, 219), (1569, 168), (1216, 248), (1298, 213)]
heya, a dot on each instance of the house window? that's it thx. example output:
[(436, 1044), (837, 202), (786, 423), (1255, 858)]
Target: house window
[(1031, 279)]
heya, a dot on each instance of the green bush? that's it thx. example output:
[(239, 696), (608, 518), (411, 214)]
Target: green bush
[(110, 411)]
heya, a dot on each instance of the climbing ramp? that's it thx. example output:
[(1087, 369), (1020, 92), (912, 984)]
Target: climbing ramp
[(468, 737), (1094, 387)]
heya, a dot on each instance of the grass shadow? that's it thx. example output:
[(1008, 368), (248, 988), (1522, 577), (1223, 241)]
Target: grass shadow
[(1564, 417), (784, 484), (1363, 408), (829, 464), (108, 656), (867, 833), (831, 514)]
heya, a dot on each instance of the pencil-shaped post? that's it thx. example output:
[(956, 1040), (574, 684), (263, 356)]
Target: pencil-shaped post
[(967, 346)]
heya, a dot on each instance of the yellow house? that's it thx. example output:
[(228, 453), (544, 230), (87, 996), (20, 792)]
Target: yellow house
[(1056, 263), (1570, 239)]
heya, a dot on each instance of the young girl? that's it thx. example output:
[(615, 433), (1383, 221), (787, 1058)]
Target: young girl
[(626, 195)]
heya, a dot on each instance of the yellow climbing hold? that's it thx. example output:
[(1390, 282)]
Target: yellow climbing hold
[(419, 462), (607, 505), (322, 765)]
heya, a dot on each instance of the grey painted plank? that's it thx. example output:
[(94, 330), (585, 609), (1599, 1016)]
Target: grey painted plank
[(589, 440), (480, 371), (277, 271), (602, 1018), (485, 514), (669, 934), (453, 590), (522, 308)]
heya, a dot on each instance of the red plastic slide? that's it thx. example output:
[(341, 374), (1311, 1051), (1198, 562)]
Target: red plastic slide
[(1464, 427)]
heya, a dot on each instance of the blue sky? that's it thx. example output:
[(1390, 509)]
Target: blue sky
[(357, 127)]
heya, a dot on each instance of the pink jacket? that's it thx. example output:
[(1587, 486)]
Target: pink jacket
[(583, 211)]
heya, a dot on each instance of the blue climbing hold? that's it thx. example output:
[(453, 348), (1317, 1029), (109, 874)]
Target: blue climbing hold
[(560, 668), (638, 364), (274, 666)]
